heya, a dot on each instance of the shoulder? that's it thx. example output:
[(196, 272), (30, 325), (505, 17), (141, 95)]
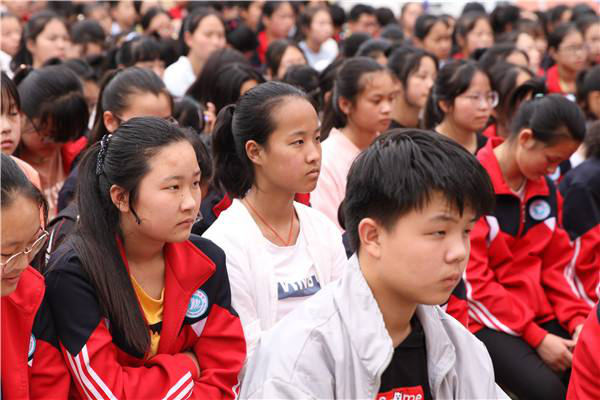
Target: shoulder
[(210, 249)]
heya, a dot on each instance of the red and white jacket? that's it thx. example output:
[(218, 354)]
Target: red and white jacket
[(581, 217), (520, 273), (197, 316), (32, 366), (586, 363)]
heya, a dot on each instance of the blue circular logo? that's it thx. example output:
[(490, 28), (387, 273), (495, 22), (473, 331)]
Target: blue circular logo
[(539, 210), (198, 304), (31, 347)]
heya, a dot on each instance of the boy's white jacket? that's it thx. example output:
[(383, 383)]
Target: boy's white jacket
[(252, 277), (335, 345)]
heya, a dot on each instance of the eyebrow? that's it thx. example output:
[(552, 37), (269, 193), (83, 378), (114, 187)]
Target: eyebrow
[(179, 177), (296, 133), (446, 217)]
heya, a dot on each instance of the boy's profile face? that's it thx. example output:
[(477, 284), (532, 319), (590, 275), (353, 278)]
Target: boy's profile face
[(423, 255)]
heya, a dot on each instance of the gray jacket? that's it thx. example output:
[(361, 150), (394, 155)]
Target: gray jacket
[(335, 345)]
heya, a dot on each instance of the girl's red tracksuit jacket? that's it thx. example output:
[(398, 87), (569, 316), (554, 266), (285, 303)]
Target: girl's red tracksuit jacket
[(586, 363), (197, 316), (520, 273), (581, 215), (32, 366)]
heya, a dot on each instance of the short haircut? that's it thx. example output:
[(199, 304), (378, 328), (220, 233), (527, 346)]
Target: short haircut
[(401, 171), (360, 9)]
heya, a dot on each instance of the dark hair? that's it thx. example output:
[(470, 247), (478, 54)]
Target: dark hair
[(140, 48), (405, 61), (228, 84), (82, 69), (189, 114), (116, 88), (353, 42), (358, 10), (385, 16), (555, 13), (466, 23), (556, 37), (328, 75), (581, 10), (307, 15), (503, 17), (9, 94), (402, 170), (275, 53), (348, 84), (251, 118), (453, 79), (88, 31), (14, 182), (503, 79), (586, 22), (425, 23), (124, 162), (374, 48), (592, 140), (242, 38), (191, 23), (271, 6), (147, 18), (338, 15), (306, 78), (588, 81), (54, 97), (473, 7), (394, 33), (498, 53), (550, 118), (32, 29)]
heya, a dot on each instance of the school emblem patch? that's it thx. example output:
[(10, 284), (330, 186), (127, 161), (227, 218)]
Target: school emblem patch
[(32, 342), (539, 210), (198, 304)]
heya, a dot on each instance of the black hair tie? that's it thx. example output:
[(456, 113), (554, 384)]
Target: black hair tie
[(102, 153)]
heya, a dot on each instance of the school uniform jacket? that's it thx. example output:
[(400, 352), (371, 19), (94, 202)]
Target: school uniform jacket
[(586, 364), (521, 273), (32, 366), (581, 218), (197, 316)]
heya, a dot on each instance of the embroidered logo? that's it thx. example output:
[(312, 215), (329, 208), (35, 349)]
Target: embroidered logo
[(539, 210), (198, 304), (31, 347)]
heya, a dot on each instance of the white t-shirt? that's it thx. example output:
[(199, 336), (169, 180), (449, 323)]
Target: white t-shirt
[(179, 76), (295, 274), (326, 54)]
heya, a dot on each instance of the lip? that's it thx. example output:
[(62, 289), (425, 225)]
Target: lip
[(7, 143), (314, 173), (188, 221), (452, 279)]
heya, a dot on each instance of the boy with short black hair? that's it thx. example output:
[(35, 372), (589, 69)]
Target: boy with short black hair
[(411, 199)]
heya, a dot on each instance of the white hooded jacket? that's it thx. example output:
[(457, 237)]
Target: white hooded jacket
[(335, 346)]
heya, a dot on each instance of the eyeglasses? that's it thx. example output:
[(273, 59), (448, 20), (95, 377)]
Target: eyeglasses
[(491, 99), (170, 119), (581, 48), (29, 253)]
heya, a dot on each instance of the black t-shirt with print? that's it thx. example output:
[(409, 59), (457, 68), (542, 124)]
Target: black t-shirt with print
[(406, 377)]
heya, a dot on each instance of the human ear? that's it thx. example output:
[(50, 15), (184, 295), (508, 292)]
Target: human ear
[(444, 106), (369, 234), (187, 38), (120, 198), (526, 139), (345, 105), (110, 121), (254, 152), (30, 44)]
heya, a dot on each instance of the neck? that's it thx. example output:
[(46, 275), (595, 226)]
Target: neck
[(505, 154), (41, 157), (566, 75), (396, 310), (361, 139), (272, 204), (404, 113), (196, 64), (313, 45), (465, 138)]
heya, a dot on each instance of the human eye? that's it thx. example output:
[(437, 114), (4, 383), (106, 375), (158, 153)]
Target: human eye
[(173, 187), (298, 142), (438, 233)]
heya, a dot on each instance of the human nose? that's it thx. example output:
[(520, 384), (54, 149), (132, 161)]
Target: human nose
[(189, 201), (5, 125), (458, 250)]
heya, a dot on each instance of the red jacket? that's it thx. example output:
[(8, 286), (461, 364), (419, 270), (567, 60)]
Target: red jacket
[(581, 217), (197, 316), (586, 363), (71, 150), (32, 366), (520, 273), (553, 80)]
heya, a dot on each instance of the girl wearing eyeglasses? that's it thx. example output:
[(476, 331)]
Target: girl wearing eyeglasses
[(525, 295), (460, 104), (569, 52), (32, 365)]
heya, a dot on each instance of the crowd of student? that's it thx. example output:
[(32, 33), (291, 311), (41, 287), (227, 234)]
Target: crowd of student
[(273, 199)]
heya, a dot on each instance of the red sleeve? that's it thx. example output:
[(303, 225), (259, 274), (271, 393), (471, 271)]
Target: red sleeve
[(560, 280), (586, 364), (490, 304)]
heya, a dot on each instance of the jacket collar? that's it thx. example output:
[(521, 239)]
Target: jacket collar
[(489, 161), (29, 292), (362, 317)]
